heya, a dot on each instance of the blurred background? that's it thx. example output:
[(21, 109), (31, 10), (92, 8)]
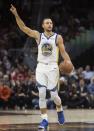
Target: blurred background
[(74, 20)]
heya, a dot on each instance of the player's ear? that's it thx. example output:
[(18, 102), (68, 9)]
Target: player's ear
[(42, 25)]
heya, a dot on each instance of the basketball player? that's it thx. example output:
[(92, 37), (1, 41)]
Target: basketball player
[(47, 71)]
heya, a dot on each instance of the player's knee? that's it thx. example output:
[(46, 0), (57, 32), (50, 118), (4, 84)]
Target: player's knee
[(55, 98), (53, 95), (42, 98)]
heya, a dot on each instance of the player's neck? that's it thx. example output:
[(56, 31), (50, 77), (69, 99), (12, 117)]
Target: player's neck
[(48, 33)]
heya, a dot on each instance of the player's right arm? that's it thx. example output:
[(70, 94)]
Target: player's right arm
[(32, 33)]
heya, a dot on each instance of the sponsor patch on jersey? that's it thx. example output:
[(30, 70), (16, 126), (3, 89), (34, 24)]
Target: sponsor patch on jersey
[(46, 49)]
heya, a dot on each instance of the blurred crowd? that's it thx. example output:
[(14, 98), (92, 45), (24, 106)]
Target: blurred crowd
[(19, 78), (10, 35), (76, 90), (68, 21), (71, 22)]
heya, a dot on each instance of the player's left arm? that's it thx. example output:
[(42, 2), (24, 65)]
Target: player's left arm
[(63, 52)]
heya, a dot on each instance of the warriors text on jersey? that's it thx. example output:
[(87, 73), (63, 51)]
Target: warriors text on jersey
[(48, 49)]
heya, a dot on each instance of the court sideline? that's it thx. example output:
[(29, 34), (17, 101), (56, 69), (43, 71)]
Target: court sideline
[(28, 120)]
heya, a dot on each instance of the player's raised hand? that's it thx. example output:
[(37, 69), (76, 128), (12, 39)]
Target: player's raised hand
[(13, 10)]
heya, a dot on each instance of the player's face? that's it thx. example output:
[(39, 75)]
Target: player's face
[(47, 25)]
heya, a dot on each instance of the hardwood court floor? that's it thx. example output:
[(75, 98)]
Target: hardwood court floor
[(76, 120), (53, 127)]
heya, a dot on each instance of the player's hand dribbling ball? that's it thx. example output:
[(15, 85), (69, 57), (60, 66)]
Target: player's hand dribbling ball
[(66, 67)]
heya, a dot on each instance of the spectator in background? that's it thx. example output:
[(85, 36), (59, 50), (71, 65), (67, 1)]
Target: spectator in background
[(1, 76), (63, 91), (79, 73), (6, 80), (1, 100), (88, 74), (83, 94), (73, 99), (91, 92), (33, 99), (20, 95)]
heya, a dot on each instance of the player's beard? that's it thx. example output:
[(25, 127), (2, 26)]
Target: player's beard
[(49, 30)]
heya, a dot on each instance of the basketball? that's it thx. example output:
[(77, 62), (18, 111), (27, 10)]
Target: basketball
[(66, 67)]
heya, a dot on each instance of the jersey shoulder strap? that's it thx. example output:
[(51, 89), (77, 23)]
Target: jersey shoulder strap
[(56, 39), (40, 38)]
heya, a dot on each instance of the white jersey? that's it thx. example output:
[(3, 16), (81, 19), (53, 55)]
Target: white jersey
[(47, 49)]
